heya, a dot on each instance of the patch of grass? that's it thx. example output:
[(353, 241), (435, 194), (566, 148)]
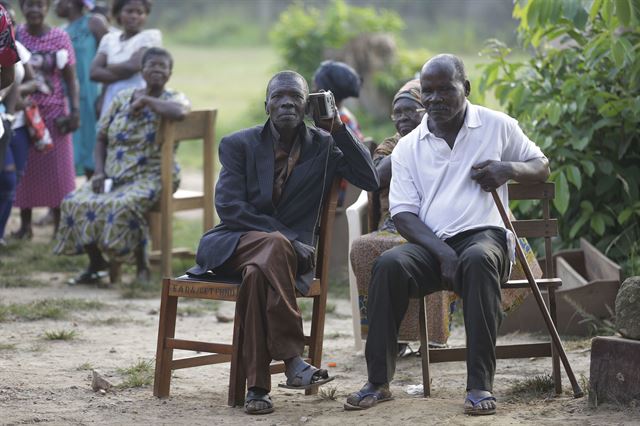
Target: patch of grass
[(26, 257), (8, 281), (540, 386), (22, 258), (86, 366), (136, 290), (7, 346), (329, 393), (46, 309), (137, 375), (60, 335)]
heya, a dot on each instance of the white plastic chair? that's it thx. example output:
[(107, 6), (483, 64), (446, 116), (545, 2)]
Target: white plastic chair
[(356, 222)]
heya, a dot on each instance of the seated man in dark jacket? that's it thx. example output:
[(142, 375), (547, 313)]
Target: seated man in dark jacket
[(268, 197)]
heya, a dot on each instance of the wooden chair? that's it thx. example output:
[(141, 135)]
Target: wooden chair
[(538, 228), (227, 290), (198, 125)]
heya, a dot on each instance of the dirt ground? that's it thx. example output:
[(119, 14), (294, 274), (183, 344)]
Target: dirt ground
[(44, 381)]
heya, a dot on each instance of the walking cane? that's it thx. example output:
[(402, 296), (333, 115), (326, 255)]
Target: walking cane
[(577, 392)]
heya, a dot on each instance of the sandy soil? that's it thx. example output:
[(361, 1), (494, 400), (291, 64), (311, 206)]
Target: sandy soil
[(45, 381)]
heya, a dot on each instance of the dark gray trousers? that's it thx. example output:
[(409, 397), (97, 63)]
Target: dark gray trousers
[(409, 270)]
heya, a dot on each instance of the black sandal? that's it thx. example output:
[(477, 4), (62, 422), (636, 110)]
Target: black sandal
[(367, 397), (306, 378), (88, 277), (258, 396)]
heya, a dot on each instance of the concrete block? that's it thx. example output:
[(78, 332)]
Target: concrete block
[(615, 371)]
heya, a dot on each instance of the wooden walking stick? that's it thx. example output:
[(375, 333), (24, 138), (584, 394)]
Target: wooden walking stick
[(555, 337)]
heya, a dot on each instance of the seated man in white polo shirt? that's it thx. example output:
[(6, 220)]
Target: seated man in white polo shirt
[(443, 173)]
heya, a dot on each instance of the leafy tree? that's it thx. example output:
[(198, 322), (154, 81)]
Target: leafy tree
[(577, 97)]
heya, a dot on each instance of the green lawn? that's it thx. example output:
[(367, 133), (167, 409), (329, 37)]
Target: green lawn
[(232, 80)]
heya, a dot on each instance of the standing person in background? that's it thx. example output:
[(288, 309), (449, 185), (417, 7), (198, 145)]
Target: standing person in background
[(118, 61), (8, 52), (85, 30), (344, 82), (50, 175), (9, 58)]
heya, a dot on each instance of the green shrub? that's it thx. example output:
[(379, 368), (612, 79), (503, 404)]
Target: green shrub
[(577, 97)]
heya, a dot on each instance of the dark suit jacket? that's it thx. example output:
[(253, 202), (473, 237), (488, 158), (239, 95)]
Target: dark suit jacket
[(245, 186)]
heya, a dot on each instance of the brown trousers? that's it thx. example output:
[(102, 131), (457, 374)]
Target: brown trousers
[(270, 321)]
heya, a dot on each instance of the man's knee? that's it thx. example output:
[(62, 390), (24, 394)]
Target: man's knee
[(388, 262), (387, 270), (278, 244), (253, 277), (478, 257)]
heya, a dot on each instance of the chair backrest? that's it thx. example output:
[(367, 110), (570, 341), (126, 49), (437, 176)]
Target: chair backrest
[(546, 227), (196, 126)]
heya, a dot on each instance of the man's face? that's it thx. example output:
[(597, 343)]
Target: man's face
[(286, 102), (443, 92)]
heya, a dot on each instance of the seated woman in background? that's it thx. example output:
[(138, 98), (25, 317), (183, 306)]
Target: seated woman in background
[(117, 62), (407, 112), (105, 218)]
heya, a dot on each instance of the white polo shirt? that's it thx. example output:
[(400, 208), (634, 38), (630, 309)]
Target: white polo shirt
[(434, 181)]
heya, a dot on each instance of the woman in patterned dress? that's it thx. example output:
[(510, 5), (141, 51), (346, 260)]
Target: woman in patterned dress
[(49, 175), (117, 63), (111, 223), (85, 30)]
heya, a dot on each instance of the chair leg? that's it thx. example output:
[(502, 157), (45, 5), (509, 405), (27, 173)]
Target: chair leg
[(555, 358), (355, 311), (166, 329), (237, 376), (115, 272), (424, 348), (317, 335)]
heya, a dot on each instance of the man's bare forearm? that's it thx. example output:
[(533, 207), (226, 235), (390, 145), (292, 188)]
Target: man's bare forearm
[(415, 231)]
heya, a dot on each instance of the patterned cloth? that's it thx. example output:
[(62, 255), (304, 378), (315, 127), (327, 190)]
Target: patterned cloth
[(8, 51), (364, 252), (50, 175), (84, 139), (115, 221)]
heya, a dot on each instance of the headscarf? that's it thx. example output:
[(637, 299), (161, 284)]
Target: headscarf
[(410, 90), (338, 77)]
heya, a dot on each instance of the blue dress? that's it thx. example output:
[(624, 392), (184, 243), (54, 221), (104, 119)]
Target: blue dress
[(84, 139)]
